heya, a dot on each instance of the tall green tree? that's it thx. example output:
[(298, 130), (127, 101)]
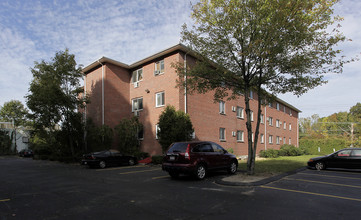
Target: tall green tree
[(15, 112), (261, 45), (129, 133), (54, 94), (174, 126)]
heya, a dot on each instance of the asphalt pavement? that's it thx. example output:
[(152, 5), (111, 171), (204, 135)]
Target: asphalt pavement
[(32, 189)]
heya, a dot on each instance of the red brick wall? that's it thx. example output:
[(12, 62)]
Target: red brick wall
[(204, 112)]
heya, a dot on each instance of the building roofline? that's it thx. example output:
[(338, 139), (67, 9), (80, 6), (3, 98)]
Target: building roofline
[(287, 104), (177, 47), (104, 60)]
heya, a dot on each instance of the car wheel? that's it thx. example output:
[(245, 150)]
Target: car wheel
[(320, 166), (232, 168), (131, 162), (174, 174), (102, 164), (201, 172)]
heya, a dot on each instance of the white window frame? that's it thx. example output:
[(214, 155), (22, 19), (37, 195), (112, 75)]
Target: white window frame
[(251, 115), (277, 123), (278, 106), (289, 141), (222, 134), (284, 140), (162, 95), (270, 121), (222, 107), (138, 72), (284, 125), (157, 129), (262, 138), (290, 127), (133, 105), (270, 139), (262, 119), (158, 70), (240, 112), (278, 140), (240, 136)]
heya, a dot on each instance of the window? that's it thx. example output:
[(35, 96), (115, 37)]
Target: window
[(251, 112), (240, 112), (240, 136), (278, 123), (284, 125), (356, 153), (278, 106), (222, 107), (137, 104), (270, 121), (222, 134), (140, 134), (270, 104), (217, 148), (284, 109), (262, 119), (344, 153), (284, 140), (262, 138), (137, 75), (159, 67), (289, 141), (270, 139), (203, 148), (251, 94), (159, 99), (277, 140), (157, 129), (290, 127)]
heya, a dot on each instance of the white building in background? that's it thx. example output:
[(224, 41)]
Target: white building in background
[(22, 135)]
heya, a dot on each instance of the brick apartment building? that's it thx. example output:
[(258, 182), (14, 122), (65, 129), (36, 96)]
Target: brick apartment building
[(118, 90)]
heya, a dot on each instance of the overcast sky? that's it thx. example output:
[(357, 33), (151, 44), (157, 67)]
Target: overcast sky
[(130, 30)]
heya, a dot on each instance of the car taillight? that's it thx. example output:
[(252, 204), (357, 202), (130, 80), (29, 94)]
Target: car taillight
[(186, 155)]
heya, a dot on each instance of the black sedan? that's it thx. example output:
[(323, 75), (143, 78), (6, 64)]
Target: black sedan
[(26, 153), (346, 158), (107, 158)]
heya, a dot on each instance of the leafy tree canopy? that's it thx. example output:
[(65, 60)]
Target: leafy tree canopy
[(261, 45), (174, 126), (14, 111)]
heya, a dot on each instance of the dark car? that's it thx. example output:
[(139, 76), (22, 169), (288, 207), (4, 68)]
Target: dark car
[(349, 158), (107, 158), (197, 158), (26, 153)]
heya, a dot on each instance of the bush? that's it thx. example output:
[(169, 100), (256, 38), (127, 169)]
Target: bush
[(290, 150), (141, 155), (271, 153), (157, 159), (326, 145)]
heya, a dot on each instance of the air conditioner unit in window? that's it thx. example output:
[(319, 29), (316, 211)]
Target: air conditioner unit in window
[(156, 72), (136, 113), (136, 84)]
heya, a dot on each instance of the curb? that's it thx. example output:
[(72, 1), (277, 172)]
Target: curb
[(260, 182)]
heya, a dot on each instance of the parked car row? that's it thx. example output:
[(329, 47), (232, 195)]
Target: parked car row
[(194, 158)]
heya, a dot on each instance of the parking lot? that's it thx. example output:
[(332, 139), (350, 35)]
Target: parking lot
[(50, 190)]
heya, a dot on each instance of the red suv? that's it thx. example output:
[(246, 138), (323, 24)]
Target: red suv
[(197, 158)]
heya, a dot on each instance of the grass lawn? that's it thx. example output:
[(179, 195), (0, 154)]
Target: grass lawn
[(273, 166)]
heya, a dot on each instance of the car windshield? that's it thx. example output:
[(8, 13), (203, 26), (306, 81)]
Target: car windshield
[(178, 148)]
